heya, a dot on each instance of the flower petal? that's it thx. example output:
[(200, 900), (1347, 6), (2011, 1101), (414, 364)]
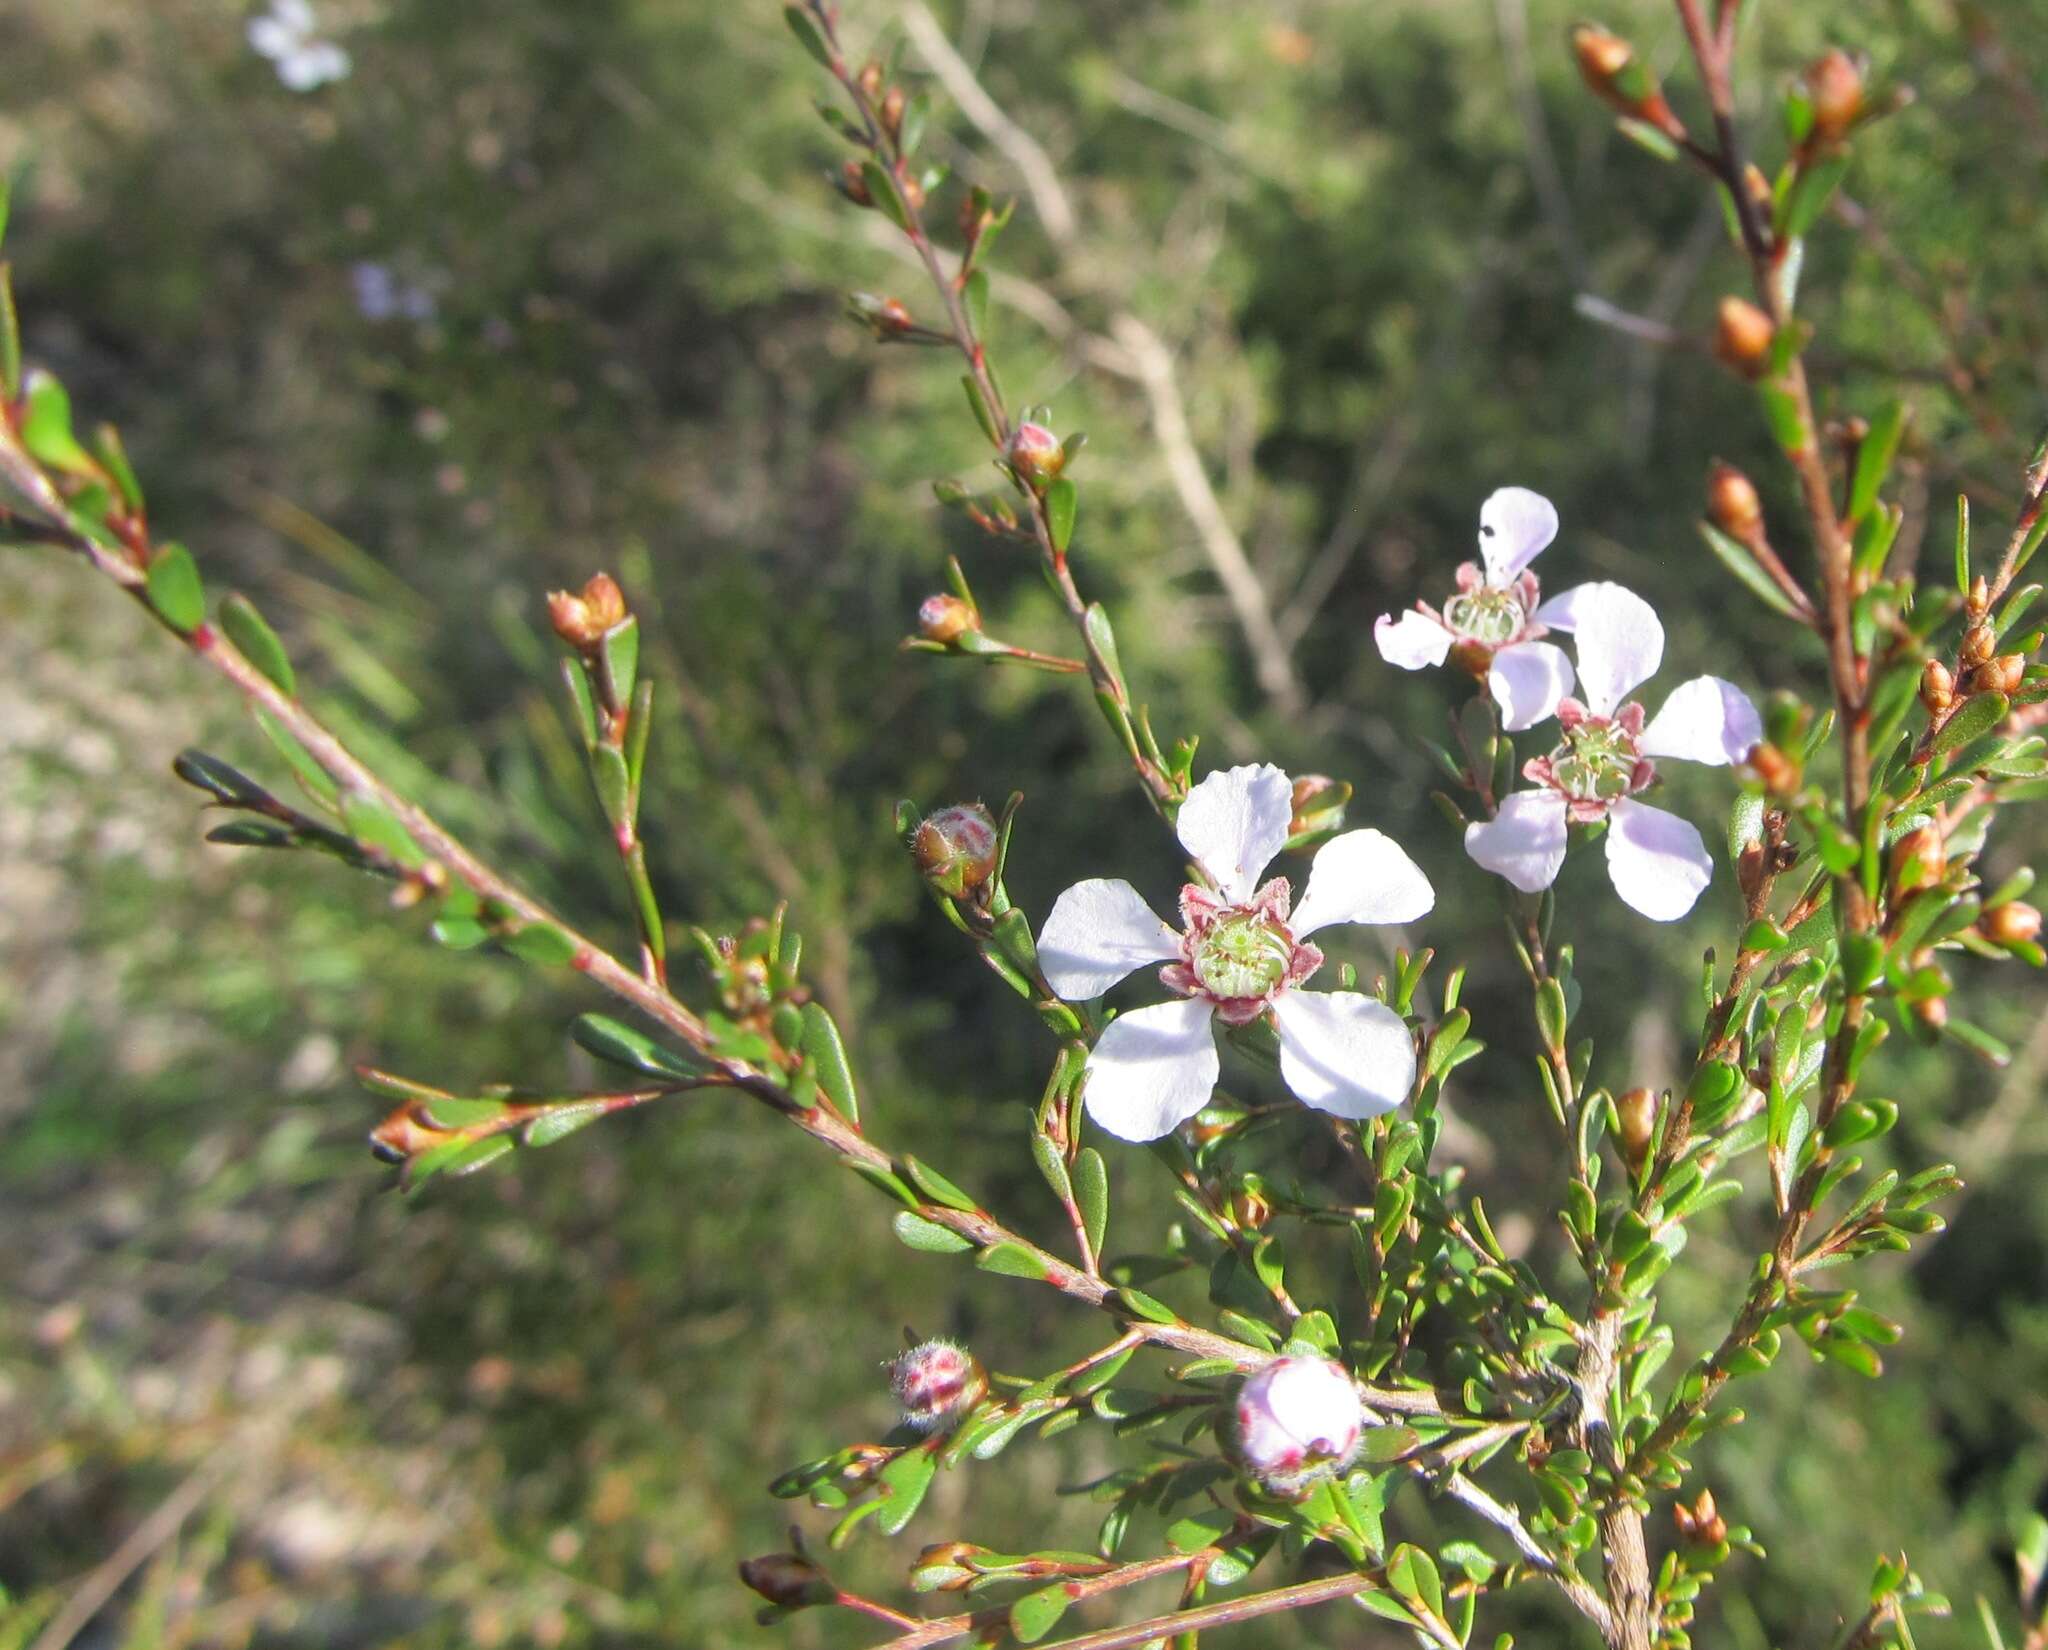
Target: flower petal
[(1705, 720), (1344, 1052), (1526, 681), (1514, 526), (1153, 1069), (1234, 822), (1525, 842), (1414, 641), (1561, 612), (1657, 861), (1362, 876), (1314, 1401), (1099, 931), (270, 38), (1621, 643)]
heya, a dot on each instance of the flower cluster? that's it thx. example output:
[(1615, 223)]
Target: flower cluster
[(1241, 955), (288, 34)]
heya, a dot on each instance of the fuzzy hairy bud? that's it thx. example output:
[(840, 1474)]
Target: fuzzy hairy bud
[(955, 848), (936, 1382)]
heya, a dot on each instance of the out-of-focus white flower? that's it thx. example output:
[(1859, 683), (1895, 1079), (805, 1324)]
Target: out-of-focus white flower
[(1240, 956), (1298, 1418), (1493, 627), (381, 295), (288, 34), (1657, 861)]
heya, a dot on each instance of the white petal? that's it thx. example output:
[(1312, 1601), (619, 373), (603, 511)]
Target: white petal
[(1525, 842), (1099, 931), (1361, 876), (1514, 526), (1344, 1052), (1526, 681), (1705, 720), (1621, 643), (1414, 641), (1561, 612), (1657, 861), (1153, 1069), (1316, 1402), (270, 38), (296, 15), (1234, 822)]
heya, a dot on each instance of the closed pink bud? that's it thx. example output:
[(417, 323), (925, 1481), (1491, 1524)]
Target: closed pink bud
[(1298, 1417), (1034, 452), (936, 1382)]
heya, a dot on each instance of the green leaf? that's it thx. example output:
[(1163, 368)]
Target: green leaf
[(1810, 194), (974, 295), (1733, 555), (927, 1236), (984, 415), (1011, 1260), (622, 1045), (1978, 714), (805, 27), (614, 786), (620, 653), (903, 1483), (1141, 1305), (882, 190), (113, 458), (1091, 1192), (936, 1186), (375, 826), (252, 833), (173, 587), (1062, 500), (249, 631), (822, 1046), (466, 1157), (559, 1122), (46, 429), (452, 1112), (1036, 1614), (10, 336), (542, 943), (1874, 458)]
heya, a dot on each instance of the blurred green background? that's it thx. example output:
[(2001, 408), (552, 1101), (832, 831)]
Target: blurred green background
[(551, 285)]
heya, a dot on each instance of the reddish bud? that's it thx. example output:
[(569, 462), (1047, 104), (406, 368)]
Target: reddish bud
[(788, 1579), (1733, 504), (2010, 924), (1919, 859), (1609, 65), (955, 849), (1700, 1522), (1979, 642), (405, 1134), (1937, 688), (853, 184), (1742, 336), (1834, 84), (891, 111), (870, 80), (1979, 598), (936, 1382), (1248, 1211), (1034, 452), (1778, 772), (1319, 804), (1931, 1012), (946, 619), (583, 619), (1635, 1121)]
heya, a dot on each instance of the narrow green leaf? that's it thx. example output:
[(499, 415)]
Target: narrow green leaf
[(172, 584), (375, 826), (882, 190), (620, 652), (452, 1112), (1062, 500), (1978, 714), (1011, 1260), (1874, 458), (1734, 556), (250, 632), (1810, 194), (46, 429), (805, 27), (623, 1045), (542, 943), (1962, 543), (936, 1186), (1036, 1614), (10, 336), (975, 297), (1091, 1192), (822, 1045), (984, 415), (559, 1122), (903, 1484)]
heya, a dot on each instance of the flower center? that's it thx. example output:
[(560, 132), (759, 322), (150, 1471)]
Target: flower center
[(1242, 955), (1488, 615), (1596, 762)]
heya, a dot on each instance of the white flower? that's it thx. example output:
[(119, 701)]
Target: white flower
[(287, 35), (1240, 958), (1493, 623), (1657, 861), (1298, 1417)]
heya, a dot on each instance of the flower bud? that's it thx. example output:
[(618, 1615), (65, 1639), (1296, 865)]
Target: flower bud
[(1732, 502), (1979, 599), (1635, 1119), (945, 619), (936, 1382), (1034, 452), (405, 1134), (870, 79), (1937, 688), (2010, 924), (1742, 336), (1778, 771), (1296, 1418), (1319, 804), (853, 184), (2002, 674), (1609, 65), (582, 620), (1248, 1210), (1931, 1012), (1919, 858), (891, 111), (947, 1567), (1700, 1522), (1835, 86), (955, 848), (1979, 642), (788, 1579)]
